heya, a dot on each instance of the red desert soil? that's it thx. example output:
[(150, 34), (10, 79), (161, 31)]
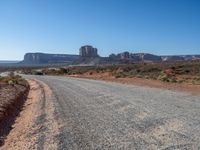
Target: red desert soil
[(12, 98), (184, 87)]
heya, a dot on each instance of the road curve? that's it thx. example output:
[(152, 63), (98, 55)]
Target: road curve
[(105, 115)]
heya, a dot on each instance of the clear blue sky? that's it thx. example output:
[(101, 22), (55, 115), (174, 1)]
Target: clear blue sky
[(62, 26)]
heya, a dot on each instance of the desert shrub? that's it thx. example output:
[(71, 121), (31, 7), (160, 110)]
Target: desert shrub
[(139, 76), (101, 69), (120, 73), (146, 77), (11, 82), (163, 78), (16, 79), (153, 69), (119, 76), (196, 80), (166, 78), (63, 70), (38, 73)]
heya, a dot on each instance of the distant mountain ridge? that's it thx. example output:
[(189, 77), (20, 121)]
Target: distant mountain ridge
[(146, 57), (8, 61), (121, 58)]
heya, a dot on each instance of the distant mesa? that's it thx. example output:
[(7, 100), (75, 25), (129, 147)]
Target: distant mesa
[(43, 58), (88, 55), (86, 51)]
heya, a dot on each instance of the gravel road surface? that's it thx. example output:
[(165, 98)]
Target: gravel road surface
[(104, 115)]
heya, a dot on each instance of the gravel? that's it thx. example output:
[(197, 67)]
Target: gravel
[(104, 115)]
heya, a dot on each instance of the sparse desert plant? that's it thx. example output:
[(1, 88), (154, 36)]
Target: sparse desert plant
[(196, 80), (166, 78), (120, 75), (10, 82), (38, 73), (146, 77), (139, 76), (163, 77)]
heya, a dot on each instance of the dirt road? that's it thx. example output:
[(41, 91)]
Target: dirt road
[(79, 114)]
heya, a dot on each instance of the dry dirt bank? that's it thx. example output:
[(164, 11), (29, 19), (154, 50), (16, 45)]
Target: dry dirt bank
[(12, 98), (34, 127)]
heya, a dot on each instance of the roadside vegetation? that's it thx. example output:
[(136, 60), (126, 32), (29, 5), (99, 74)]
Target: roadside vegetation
[(176, 72), (12, 79)]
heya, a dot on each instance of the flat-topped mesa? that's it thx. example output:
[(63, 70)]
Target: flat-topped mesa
[(42, 58), (88, 51)]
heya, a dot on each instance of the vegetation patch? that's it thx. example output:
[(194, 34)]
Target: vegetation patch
[(174, 72)]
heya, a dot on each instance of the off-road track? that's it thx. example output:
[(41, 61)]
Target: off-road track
[(70, 113)]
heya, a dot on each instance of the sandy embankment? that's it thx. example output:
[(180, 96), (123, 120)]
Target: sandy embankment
[(12, 98), (35, 125)]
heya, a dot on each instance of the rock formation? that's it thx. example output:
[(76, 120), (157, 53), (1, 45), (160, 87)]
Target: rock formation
[(42, 58), (88, 51)]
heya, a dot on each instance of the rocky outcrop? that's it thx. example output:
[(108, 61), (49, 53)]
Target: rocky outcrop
[(145, 57), (136, 57), (88, 51), (42, 58)]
